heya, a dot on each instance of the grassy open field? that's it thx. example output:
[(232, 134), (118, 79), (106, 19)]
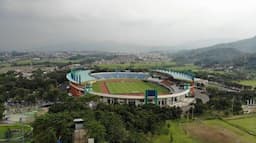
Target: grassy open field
[(177, 132), (245, 123), (248, 82), (128, 86), (144, 65), (210, 131), (17, 128), (25, 62), (215, 131), (152, 65), (187, 67)]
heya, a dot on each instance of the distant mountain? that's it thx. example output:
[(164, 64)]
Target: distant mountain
[(202, 43), (246, 45), (235, 53), (209, 56)]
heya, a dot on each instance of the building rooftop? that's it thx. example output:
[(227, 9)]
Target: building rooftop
[(78, 120)]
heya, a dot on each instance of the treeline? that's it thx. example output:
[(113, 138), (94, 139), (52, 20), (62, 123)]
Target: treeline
[(39, 87), (227, 79), (105, 123), (224, 103)]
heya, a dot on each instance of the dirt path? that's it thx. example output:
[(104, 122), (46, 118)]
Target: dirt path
[(104, 87)]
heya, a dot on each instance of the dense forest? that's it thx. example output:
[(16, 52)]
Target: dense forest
[(40, 87), (111, 123)]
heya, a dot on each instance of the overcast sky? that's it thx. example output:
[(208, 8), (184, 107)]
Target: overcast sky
[(39, 23)]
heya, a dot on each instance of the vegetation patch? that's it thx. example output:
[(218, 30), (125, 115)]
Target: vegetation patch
[(13, 131), (248, 124), (248, 82), (210, 134), (240, 135), (176, 134)]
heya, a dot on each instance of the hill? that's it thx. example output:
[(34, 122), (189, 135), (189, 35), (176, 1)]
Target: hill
[(235, 53), (209, 56), (246, 45)]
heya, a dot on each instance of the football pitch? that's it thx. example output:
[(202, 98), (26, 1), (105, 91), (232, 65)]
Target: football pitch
[(129, 86)]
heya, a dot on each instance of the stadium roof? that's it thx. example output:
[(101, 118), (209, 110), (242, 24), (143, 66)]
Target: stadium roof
[(80, 76)]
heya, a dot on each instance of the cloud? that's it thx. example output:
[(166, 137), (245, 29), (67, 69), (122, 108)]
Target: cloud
[(35, 23)]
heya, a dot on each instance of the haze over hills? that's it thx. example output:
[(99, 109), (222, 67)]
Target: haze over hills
[(111, 46), (222, 52), (246, 45), (233, 53)]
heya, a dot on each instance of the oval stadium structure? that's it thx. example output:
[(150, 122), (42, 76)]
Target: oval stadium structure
[(161, 87)]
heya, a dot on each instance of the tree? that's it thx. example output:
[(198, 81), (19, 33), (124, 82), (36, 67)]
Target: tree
[(96, 130), (115, 130), (1, 110), (47, 136), (50, 126), (171, 138), (199, 107)]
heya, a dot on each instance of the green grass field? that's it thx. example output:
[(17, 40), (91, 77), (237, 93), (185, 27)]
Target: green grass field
[(246, 123), (248, 82), (234, 133), (129, 86), (176, 130), (142, 65), (210, 131), (14, 127)]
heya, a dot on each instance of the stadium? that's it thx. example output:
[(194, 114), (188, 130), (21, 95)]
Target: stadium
[(160, 86)]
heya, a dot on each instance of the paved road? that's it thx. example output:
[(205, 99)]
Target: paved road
[(204, 97), (222, 87)]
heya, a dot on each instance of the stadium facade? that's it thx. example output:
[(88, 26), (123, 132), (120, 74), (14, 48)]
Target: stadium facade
[(179, 84)]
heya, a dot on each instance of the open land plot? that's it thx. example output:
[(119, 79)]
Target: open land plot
[(225, 131), (176, 132), (144, 65), (188, 67), (210, 131), (167, 65), (13, 127), (248, 82), (245, 123)]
